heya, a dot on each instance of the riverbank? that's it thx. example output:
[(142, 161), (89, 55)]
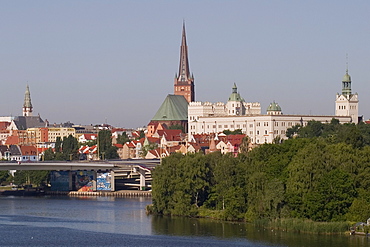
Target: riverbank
[(121, 193), (283, 224)]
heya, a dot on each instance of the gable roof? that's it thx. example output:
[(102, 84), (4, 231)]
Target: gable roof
[(25, 122), (3, 149), (170, 134), (28, 150), (174, 107), (12, 140), (15, 150)]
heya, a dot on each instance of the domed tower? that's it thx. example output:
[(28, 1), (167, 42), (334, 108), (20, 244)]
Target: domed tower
[(235, 103), (346, 103), (27, 105), (274, 109)]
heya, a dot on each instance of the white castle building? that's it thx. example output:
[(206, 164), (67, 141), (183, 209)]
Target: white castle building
[(206, 118)]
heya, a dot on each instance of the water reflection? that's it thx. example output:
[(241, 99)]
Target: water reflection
[(126, 216), (180, 226)]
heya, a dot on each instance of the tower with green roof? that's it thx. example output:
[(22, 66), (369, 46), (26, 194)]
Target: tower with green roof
[(235, 103), (274, 109), (27, 105), (346, 103)]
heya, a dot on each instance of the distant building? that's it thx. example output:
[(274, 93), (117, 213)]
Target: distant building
[(346, 103), (235, 106), (174, 109), (207, 118)]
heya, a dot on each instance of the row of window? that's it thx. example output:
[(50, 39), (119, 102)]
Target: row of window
[(343, 107), (238, 126)]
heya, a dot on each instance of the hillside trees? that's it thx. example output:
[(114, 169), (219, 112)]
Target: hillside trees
[(308, 178)]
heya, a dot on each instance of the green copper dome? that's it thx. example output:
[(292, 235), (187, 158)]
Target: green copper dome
[(273, 107), (235, 96), (346, 77)]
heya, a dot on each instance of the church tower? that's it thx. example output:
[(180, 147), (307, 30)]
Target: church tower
[(184, 82), (346, 103), (27, 105)]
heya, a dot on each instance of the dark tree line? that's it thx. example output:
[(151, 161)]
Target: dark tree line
[(323, 174)]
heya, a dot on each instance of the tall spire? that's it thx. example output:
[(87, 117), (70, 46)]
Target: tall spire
[(184, 81), (27, 105), (346, 81), (184, 71)]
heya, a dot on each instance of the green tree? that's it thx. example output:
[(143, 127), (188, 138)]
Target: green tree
[(105, 145), (70, 148), (332, 198), (4, 175), (122, 139), (111, 153), (36, 178), (233, 132), (58, 144), (49, 154)]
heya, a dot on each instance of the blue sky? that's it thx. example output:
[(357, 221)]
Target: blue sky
[(91, 62)]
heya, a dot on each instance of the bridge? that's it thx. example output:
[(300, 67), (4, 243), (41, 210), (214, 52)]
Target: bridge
[(128, 174)]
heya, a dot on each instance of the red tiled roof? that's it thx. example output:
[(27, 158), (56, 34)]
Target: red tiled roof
[(28, 150), (4, 125), (12, 140), (170, 134)]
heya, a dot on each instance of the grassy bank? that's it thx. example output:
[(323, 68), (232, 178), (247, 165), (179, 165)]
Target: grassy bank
[(304, 225), (286, 224)]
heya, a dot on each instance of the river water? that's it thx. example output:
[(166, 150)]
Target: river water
[(110, 221)]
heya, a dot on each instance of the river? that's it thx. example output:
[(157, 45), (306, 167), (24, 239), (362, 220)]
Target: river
[(110, 221)]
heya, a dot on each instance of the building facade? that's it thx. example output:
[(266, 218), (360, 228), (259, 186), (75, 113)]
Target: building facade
[(207, 118)]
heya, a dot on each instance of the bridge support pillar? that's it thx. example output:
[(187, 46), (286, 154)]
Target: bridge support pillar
[(142, 179), (70, 180), (112, 181)]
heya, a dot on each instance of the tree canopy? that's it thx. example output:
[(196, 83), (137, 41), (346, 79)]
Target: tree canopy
[(323, 175)]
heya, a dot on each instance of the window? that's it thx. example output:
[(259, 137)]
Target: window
[(220, 126), (225, 126), (265, 132), (258, 132)]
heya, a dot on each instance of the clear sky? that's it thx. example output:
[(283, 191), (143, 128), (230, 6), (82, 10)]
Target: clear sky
[(92, 62)]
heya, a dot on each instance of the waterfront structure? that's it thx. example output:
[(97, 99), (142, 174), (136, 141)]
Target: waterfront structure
[(184, 81), (207, 118)]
